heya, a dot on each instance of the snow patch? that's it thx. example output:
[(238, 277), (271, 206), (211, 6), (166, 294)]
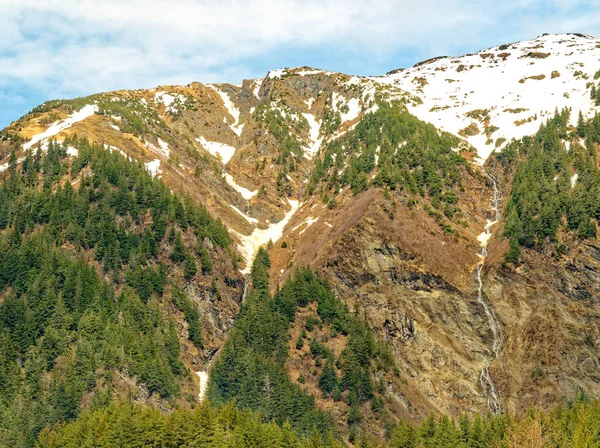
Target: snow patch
[(530, 80), (484, 237), (71, 151), (222, 150), (162, 150), (119, 150), (164, 146), (257, 85), (574, 178), (277, 73), (310, 72), (85, 112), (353, 106), (245, 216), (339, 134), (4, 166), (168, 99), (308, 222), (153, 167), (231, 109), (251, 243), (315, 141), (244, 192)]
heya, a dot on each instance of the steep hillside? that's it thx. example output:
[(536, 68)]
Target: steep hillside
[(478, 275), (543, 280), (110, 286)]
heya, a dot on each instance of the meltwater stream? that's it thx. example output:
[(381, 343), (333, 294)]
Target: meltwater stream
[(489, 388)]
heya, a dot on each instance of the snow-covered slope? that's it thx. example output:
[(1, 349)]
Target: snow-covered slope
[(504, 92)]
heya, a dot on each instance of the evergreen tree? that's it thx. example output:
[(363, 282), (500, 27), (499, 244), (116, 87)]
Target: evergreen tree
[(179, 253), (328, 379), (189, 267), (403, 436), (580, 126)]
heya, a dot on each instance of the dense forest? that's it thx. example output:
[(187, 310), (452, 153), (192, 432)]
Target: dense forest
[(556, 184), (574, 425), (392, 149), (88, 244), (285, 125), (392, 141), (251, 367)]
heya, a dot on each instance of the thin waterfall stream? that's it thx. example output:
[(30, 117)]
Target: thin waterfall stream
[(498, 336), (246, 283)]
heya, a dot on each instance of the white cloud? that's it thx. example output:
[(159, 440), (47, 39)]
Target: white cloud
[(69, 47)]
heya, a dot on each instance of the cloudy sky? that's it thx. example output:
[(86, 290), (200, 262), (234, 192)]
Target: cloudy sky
[(66, 48)]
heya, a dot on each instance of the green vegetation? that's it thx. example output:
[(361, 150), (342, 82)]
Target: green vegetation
[(398, 139), (83, 282), (285, 124), (352, 371), (136, 117), (542, 197), (250, 369), (574, 424), (128, 426), (469, 131), (68, 106), (479, 114), (191, 316), (409, 155), (595, 94), (332, 119)]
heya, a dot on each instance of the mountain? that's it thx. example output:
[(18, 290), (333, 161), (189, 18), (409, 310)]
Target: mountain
[(505, 92), (447, 212)]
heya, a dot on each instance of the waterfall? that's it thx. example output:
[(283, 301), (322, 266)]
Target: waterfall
[(246, 283), (498, 337)]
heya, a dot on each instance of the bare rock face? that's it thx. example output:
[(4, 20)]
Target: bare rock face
[(432, 321), (549, 311)]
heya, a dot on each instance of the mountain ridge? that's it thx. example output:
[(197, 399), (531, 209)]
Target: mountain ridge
[(385, 192)]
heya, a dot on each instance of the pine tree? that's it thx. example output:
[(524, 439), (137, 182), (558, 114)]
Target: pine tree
[(179, 252), (205, 261), (189, 267), (328, 379), (580, 126), (446, 434), (403, 436), (476, 433)]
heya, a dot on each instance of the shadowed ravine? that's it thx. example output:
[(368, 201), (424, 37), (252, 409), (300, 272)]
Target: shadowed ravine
[(486, 381)]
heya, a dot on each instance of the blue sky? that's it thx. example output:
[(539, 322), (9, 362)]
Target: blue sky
[(67, 48)]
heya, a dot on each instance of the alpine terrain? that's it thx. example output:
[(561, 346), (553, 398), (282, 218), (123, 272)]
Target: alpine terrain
[(310, 259)]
